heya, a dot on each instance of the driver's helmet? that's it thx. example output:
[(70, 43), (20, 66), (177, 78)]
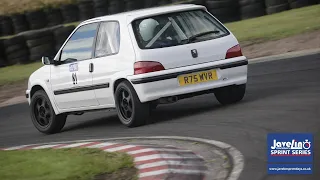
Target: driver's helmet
[(147, 28)]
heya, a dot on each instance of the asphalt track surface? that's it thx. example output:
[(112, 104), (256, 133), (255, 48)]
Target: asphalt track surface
[(282, 96)]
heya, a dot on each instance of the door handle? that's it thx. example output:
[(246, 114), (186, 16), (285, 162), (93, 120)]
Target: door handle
[(91, 67)]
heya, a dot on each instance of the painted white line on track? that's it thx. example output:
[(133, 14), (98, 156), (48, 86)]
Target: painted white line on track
[(101, 145), (164, 171), (157, 149), (119, 148), (164, 156), (15, 148), (74, 145), (46, 146), (171, 162)]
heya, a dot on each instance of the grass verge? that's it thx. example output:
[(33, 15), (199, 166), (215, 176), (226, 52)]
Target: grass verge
[(65, 164), (16, 73), (277, 26)]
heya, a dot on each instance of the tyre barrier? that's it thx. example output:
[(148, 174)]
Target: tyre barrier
[(36, 19), (115, 6), (6, 27), (224, 10), (70, 13), (149, 3), (3, 62), (85, 9), (19, 22), (100, 7), (275, 6), (54, 17), (34, 47), (132, 5), (16, 50), (251, 8)]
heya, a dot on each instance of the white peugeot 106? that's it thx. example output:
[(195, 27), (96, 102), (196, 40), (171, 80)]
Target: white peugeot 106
[(134, 61)]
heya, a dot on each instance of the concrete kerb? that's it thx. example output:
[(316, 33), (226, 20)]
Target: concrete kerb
[(284, 56), (235, 155)]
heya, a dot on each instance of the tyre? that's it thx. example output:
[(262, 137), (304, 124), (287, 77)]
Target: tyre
[(131, 111), (43, 50), (70, 13), (43, 116), (149, 3), (21, 53), (115, 6), (277, 9), (37, 19), (275, 2), (20, 23), (42, 40), (252, 10), (230, 94), (6, 27), (54, 17), (227, 14), (132, 5), (100, 7), (163, 2), (36, 34), (85, 9), (13, 41), (248, 2), (215, 4)]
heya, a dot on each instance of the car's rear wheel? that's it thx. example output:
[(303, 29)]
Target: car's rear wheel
[(131, 111), (43, 116), (230, 94)]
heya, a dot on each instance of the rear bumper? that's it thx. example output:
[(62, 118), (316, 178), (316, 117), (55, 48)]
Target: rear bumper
[(165, 83)]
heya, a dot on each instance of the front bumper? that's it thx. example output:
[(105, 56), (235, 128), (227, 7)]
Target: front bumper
[(165, 83), (28, 95)]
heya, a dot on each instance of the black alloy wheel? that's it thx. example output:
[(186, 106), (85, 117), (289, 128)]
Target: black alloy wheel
[(43, 115), (131, 111), (42, 112)]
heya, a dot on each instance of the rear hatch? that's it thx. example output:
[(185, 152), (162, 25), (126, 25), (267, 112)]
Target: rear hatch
[(182, 39)]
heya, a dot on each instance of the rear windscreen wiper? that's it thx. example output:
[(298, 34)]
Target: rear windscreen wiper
[(194, 37)]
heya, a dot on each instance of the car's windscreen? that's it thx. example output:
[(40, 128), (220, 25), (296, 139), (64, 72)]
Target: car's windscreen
[(176, 29)]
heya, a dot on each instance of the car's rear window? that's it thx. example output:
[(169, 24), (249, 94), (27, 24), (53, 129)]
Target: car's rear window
[(176, 29)]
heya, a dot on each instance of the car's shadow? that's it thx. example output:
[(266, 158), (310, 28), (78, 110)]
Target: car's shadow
[(183, 108)]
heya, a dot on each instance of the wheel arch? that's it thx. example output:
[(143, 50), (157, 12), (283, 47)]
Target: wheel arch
[(117, 82), (38, 86)]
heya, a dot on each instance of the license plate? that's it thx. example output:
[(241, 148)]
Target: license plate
[(199, 77)]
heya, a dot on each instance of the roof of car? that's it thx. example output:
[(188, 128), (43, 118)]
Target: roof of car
[(135, 14)]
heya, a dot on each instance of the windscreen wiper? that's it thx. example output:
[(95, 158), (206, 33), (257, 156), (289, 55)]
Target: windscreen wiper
[(194, 37)]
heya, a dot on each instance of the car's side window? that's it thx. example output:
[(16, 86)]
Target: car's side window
[(81, 43), (108, 39)]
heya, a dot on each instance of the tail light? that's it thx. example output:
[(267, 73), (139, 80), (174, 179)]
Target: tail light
[(142, 67), (235, 51)]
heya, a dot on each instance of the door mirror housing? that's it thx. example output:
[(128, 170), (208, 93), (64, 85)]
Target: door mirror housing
[(46, 60)]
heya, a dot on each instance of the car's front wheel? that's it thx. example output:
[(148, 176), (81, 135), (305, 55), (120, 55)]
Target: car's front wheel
[(131, 111), (43, 116), (230, 94)]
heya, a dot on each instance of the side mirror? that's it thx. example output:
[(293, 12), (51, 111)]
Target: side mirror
[(45, 60)]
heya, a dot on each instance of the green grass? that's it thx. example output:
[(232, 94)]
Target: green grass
[(17, 73), (61, 164), (277, 26)]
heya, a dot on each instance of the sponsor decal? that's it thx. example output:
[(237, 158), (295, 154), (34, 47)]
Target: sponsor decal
[(288, 148)]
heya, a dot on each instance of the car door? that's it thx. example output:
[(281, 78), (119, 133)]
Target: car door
[(71, 81), (107, 61)]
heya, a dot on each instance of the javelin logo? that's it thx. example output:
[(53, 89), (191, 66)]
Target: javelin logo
[(291, 145)]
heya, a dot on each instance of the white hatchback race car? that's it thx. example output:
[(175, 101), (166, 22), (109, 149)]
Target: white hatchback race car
[(134, 61)]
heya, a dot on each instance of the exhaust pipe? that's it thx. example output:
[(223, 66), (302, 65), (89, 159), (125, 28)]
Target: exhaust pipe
[(168, 100)]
